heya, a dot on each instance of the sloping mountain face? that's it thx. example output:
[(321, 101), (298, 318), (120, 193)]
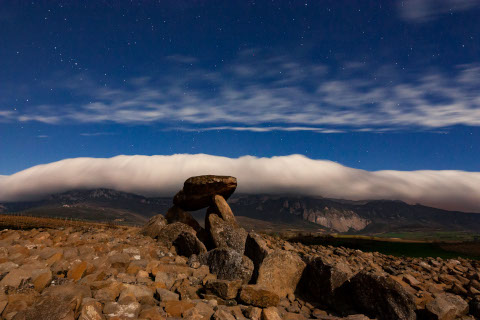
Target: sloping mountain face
[(98, 205), (399, 215), (325, 212), (365, 217), (355, 216)]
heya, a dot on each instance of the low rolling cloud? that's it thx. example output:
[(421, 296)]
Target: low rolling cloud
[(294, 174)]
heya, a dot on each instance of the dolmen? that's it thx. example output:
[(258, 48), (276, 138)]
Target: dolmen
[(250, 270), (221, 245)]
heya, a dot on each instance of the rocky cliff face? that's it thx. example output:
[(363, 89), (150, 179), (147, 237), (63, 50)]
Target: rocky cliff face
[(290, 209), (361, 216), (332, 218), (324, 212)]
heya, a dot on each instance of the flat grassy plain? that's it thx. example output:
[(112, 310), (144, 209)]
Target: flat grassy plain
[(397, 247), (87, 213), (442, 236), (21, 222)]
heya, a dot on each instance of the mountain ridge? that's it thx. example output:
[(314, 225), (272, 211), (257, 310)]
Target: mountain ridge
[(333, 215)]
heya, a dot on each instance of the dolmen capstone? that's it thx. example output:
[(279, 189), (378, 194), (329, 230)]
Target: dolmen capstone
[(198, 192)]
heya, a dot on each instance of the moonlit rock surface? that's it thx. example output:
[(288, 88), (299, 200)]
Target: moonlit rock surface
[(198, 192)]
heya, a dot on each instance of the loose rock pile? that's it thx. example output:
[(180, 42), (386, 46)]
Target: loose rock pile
[(176, 269)]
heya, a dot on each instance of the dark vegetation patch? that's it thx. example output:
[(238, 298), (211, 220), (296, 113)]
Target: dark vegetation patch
[(444, 250)]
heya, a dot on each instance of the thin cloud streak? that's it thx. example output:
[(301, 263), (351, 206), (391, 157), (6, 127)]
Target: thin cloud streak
[(259, 129), (294, 174), (96, 134), (276, 92), (427, 10)]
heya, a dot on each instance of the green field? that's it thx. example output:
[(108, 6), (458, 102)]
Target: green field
[(446, 236), (396, 248)]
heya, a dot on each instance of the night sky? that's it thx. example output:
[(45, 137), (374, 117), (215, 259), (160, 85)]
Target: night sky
[(369, 84)]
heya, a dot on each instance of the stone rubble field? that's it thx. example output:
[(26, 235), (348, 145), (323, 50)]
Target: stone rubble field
[(175, 269)]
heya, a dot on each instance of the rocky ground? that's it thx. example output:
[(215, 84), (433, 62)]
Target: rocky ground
[(174, 269)]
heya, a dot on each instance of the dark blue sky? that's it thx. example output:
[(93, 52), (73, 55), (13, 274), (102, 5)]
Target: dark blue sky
[(370, 84)]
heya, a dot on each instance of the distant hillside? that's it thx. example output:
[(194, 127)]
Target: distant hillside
[(264, 211), (95, 205), (355, 216)]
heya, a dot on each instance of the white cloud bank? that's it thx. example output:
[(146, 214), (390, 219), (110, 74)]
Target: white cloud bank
[(296, 174)]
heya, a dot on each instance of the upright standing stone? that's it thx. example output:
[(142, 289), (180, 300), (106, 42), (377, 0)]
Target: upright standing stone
[(225, 234), (223, 210), (222, 227)]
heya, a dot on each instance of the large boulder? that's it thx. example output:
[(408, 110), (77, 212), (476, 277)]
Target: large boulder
[(258, 296), (446, 306), (322, 278), (187, 244), (256, 249), (177, 214), (280, 272), (225, 289), (154, 226), (228, 264), (225, 234), (198, 192), (379, 296), (170, 233)]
